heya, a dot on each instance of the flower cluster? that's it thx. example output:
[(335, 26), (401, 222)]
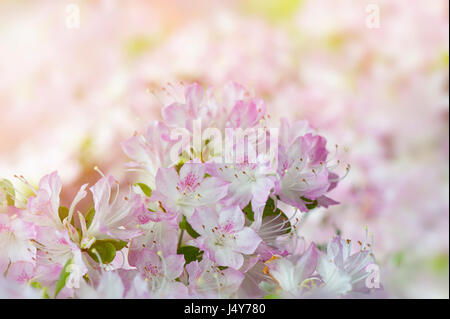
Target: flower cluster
[(206, 221)]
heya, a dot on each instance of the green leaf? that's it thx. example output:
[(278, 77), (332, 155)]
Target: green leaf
[(37, 285), (7, 188), (269, 210), (190, 253), (312, 205), (45, 293), (147, 190), (439, 264), (398, 258), (271, 296), (63, 212), (179, 166), (118, 244), (303, 198), (63, 277), (188, 228), (249, 212), (105, 249), (89, 216)]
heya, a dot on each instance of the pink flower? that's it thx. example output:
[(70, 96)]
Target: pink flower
[(110, 286), (294, 274), (44, 207), (206, 280), (304, 176), (115, 217), (248, 182), (235, 108), (149, 151), (157, 274), (156, 236), (155, 266), (223, 235), (190, 189), (341, 271), (182, 113), (21, 271), (290, 132), (10, 289), (55, 248), (15, 239)]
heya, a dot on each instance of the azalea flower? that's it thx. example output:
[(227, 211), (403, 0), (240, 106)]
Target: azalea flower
[(54, 249), (294, 275), (16, 237), (183, 192), (223, 236), (149, 151), (234, 108), (110, 286), (304, 176), (44, 206), (115, 217), (11, 289), (202, 229), (207, 280), (154, 266), (248, 183), (157, 274), (342, 271)]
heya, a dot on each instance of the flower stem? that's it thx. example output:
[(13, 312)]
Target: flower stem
[(180, 239)]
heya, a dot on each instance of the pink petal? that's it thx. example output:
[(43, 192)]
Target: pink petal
[(231, 219), (247, 241)]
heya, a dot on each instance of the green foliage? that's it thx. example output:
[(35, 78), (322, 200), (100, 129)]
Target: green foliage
[(118, 244), (37, 285), (398, 258), (310, 204), (62, 277), (184, 225), (190, 253), (439, 264), (105, 249), (89, 216), (147, 190), (179, 166), (63, 212), (249, 212), (269, 210)]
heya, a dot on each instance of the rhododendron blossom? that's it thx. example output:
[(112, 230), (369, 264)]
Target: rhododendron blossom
[(196, 223)]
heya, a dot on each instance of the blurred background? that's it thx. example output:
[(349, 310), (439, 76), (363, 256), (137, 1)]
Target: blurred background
[(371, 75)]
